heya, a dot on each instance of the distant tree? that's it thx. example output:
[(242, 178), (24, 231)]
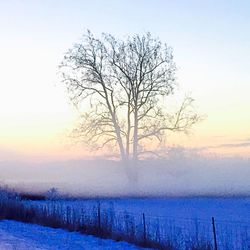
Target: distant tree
[(124, 83)]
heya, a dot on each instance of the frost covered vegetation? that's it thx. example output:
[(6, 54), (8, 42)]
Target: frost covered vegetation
[(97, 218)]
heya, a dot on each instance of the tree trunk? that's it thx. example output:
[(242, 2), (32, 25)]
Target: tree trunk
[(128, 130), (135, 145), (135, 142), (119, 140)]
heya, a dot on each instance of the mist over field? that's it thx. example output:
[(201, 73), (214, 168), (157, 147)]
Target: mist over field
[(181, 174)]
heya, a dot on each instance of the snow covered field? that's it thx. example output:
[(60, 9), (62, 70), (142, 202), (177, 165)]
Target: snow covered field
[(179, 220), (21, 236), (229, 209)]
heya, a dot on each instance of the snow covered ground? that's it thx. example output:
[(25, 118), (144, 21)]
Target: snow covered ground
[(21, 236), (177, 218), (223, 209)]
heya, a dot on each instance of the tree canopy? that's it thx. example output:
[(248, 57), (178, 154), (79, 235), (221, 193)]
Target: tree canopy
[(119, 85)]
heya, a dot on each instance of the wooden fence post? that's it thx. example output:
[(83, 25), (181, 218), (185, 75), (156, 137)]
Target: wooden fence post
[(214, 233), (99, 216), (144, 229)]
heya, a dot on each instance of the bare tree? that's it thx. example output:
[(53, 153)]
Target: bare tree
[(121, 85)]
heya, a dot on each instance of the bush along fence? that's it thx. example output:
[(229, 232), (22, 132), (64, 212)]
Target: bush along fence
[(142, 230)]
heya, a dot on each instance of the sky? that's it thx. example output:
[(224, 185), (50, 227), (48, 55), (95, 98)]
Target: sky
[(210, 40)]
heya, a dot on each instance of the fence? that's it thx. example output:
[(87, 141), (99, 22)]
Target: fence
[(160, 232)]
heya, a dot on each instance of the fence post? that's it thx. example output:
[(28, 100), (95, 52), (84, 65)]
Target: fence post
[(144, 228), (99, 216), (82, 218), (214, 233)]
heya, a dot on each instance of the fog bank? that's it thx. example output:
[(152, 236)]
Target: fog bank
[(177, 175)]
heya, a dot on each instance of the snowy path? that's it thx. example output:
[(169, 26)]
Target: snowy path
[(21, 236)]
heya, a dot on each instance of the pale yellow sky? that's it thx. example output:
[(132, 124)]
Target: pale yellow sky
[(213, 64)]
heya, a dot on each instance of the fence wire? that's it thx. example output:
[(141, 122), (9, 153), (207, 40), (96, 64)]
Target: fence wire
[(161, 232)]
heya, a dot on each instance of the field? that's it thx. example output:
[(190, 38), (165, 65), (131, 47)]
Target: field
[(229, 209), (176, 222), (170, 223)]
